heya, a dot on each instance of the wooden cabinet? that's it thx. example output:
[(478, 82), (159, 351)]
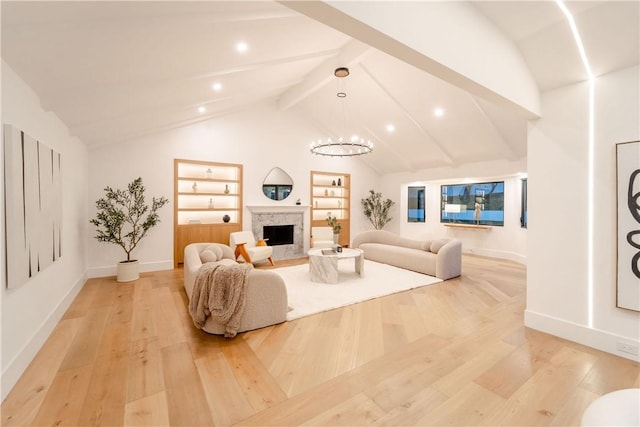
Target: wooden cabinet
[(205, 195), (331, 194)]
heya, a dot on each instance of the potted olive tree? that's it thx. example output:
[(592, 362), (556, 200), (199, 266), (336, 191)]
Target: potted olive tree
[(377, 210), (124, 218)]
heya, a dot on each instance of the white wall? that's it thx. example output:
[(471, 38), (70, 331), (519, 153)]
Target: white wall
[(259, 139), (559, 275), (30, 312), (508, 242)]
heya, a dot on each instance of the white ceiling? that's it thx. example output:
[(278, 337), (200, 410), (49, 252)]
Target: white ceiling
[(114, 71)]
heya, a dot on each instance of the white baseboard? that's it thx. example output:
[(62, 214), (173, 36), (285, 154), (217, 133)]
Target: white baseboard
[(111, 270), (492, 253), (21, 361), (596, 338)]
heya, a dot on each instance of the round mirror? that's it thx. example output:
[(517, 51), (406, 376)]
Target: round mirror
[(277, 185)]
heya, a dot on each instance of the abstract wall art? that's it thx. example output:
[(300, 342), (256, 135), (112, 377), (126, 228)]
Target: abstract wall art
[(628, 195), (33, 206)]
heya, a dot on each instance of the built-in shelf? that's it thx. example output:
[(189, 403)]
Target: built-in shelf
[(471, 226), (331, 194), (205, 195)]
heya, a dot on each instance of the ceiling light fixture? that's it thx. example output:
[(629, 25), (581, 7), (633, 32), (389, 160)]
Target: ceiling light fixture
[(242, 47), (342, 147), (391, 128), (201, 109), (438, 112), (216, 86)]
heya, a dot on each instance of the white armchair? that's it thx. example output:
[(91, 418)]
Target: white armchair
[(243, 245), (322, 237)]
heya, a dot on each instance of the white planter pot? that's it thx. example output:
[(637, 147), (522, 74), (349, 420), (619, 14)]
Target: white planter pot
[(128, 271)]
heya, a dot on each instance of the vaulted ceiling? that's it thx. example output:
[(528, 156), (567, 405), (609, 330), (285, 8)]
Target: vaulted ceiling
[(114, 71)]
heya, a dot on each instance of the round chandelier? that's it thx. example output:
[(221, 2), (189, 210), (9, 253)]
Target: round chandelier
[(342, 147)]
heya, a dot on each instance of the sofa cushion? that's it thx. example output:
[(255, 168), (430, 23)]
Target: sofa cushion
[(226, 261), (426, 245), (437, 244), (211, 253), (399, 256), (207, 256)]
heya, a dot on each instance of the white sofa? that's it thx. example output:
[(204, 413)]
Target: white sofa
[(266, 302), (441, 258)]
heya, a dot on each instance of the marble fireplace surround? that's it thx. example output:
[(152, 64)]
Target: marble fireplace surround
[(281, 215)]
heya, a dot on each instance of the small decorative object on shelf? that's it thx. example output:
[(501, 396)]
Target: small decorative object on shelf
[(316, 204), (333, 182), (226, 218), (298, 202), (209, 173), (211, 203), (194, 187), (339, 203), (339, 182), (333, 193), (226, 189), (326, 192)]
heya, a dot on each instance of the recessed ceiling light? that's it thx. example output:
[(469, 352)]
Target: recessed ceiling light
[(438, 112), (242, 47), (217, 86), (201, 109), (390, 128)]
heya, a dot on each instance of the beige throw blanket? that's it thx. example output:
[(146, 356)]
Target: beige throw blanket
[(220, 291)]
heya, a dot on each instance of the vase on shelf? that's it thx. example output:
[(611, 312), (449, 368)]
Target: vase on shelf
[(226, 218), (333, 182), (339, 182), (326, 192), (194, 187), (209, 173), (211, 203), (226, 189)]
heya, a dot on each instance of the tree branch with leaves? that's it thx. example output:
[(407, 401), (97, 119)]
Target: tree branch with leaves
[(124, 217), (377, 210), (332, 222)]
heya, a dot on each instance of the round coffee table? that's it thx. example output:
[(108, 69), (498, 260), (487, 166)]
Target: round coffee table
[(324, 268)]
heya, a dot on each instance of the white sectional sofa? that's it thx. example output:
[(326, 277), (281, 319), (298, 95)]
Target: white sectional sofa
[(266, 302), (441, 258)]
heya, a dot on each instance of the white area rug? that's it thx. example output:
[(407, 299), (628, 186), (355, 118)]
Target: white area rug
[(307, 297)]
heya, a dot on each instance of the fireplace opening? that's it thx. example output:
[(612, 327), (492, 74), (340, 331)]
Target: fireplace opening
[(278, 234)]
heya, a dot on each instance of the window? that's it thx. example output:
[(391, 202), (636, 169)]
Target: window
[(415, 204), (479, 204), (523, 205)]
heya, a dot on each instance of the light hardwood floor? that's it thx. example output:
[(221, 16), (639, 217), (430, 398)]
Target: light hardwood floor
[(454, 353)]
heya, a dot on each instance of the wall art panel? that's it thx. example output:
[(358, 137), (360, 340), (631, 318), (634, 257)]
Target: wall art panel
[(628, 195), (33, 206)]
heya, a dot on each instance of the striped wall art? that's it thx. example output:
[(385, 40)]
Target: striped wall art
[(33, 206)]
